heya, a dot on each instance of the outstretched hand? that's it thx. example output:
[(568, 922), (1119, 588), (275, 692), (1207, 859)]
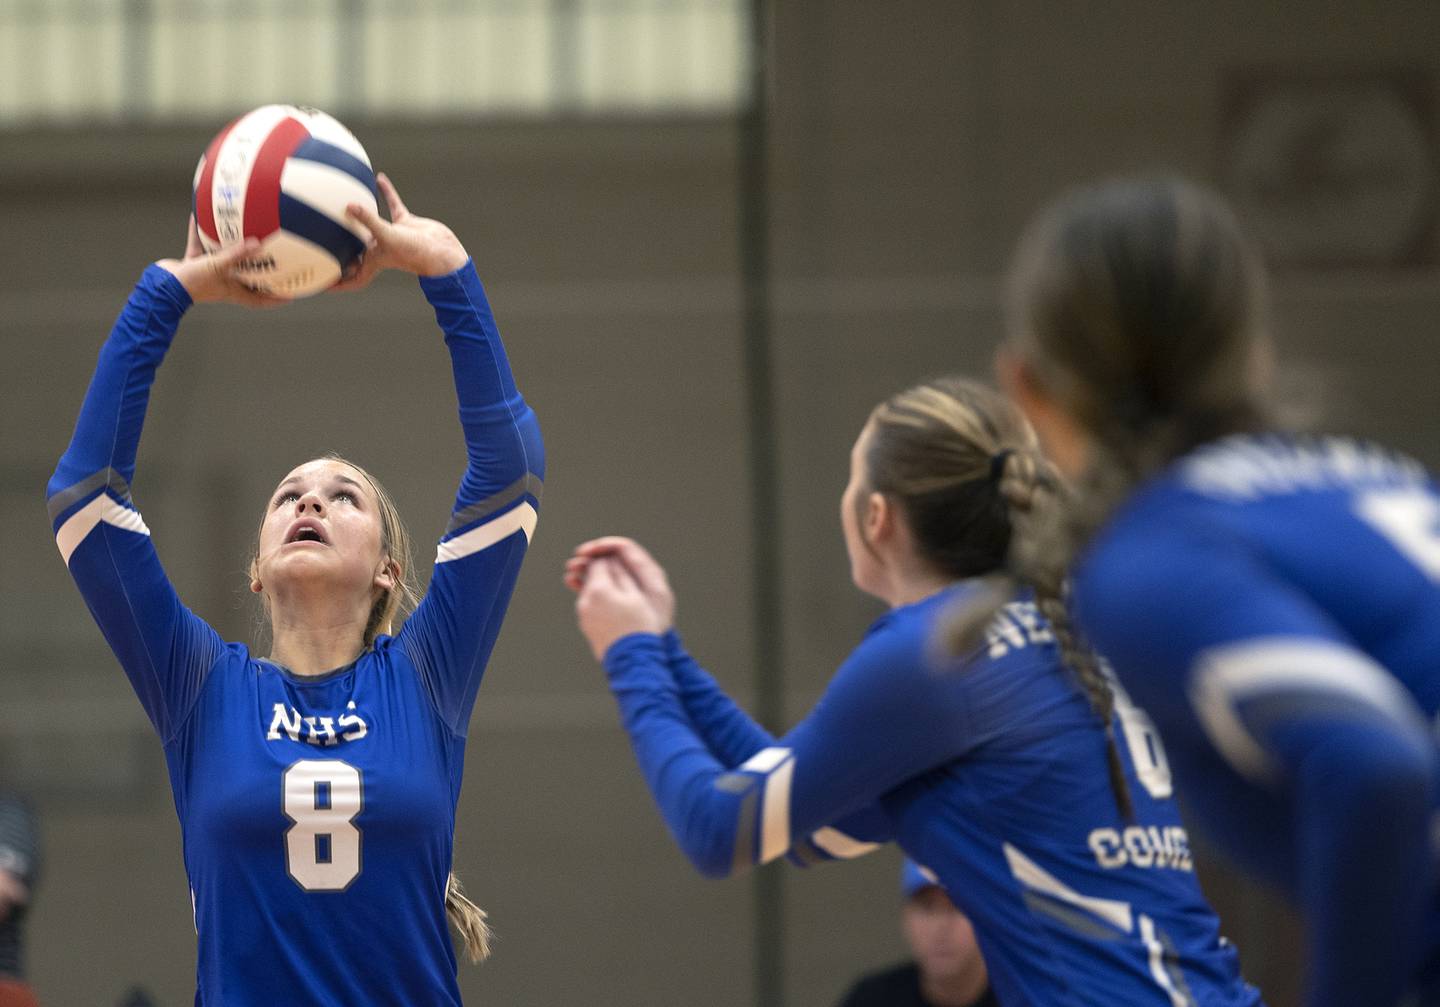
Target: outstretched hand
[(215, 276), (406, 242), (621, 590)]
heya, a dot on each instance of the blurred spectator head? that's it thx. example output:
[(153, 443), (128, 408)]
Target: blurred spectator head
[(940, 936)]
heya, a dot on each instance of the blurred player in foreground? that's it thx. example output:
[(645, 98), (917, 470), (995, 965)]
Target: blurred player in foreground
[(1002, 777), (316, 787), (945, 970), (1273, 601)]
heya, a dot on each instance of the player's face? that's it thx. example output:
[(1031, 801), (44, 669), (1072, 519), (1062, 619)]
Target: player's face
[(322, 526), (939, 935), (864, 565)]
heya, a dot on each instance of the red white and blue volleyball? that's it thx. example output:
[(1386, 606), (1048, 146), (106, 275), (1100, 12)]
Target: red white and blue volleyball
[(285, 174)]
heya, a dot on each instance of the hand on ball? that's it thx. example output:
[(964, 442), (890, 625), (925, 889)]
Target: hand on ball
[(406, 242), (216, 276)]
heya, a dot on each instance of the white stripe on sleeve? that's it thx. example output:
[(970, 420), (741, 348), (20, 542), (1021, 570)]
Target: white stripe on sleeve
[(522, 518), (839, 845), (1222, 677), (778, 766), (80, 524)]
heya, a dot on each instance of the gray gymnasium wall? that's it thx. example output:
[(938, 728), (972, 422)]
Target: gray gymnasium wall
[(911, 140)]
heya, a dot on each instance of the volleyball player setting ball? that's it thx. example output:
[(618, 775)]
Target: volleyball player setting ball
[(316, 785), (1063, 847), (1273, 600)]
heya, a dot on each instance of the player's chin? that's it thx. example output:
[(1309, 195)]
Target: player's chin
[(306, 561), (304, 551)]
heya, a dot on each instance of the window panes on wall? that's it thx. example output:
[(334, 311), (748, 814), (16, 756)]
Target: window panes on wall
[(94, 60)]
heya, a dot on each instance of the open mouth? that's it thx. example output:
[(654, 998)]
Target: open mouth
[(306, 531)]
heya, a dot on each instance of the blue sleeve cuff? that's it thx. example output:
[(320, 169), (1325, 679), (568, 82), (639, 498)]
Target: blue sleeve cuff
[(165, 284), (449, 283), (635, 649)]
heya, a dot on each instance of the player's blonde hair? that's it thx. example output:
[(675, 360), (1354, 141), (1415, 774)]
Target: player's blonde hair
[(966, 470), (395, 544), (389, 604), (468, 919)]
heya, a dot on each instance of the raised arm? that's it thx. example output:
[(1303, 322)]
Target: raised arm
[(731, 734), (841, 758), (451, 633), (164, 648), (733, 737)]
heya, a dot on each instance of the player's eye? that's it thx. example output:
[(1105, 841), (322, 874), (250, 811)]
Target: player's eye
[(285, 497), (344, 495)]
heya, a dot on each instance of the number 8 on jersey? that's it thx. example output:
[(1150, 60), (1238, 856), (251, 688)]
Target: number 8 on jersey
[(322, 849)]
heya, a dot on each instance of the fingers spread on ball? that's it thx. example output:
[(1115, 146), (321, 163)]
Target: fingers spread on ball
[(229, 265), (369, 218), (193, 247), (240, 293), (361, 274), (392, 197), (227, 258)]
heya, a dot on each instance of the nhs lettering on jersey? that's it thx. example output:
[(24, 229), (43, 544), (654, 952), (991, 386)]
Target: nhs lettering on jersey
[(323, 731), (1248, 468), (1016, 625), (1142, 846)]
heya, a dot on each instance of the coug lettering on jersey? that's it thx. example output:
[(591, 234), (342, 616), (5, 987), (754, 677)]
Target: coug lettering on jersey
[(1017, 625), (1142, 846), (323, 731)]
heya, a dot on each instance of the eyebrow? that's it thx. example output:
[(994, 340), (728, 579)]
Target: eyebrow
[(338, 478)]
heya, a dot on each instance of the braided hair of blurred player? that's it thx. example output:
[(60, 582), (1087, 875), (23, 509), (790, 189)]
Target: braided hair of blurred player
[(1156, 333)]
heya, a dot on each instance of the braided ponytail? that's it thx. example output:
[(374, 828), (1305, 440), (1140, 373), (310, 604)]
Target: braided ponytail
[(983, 502), (1037, 560)]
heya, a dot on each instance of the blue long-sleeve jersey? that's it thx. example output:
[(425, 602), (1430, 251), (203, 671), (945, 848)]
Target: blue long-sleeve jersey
[(1274, 603), (317, 812), (992, 775)]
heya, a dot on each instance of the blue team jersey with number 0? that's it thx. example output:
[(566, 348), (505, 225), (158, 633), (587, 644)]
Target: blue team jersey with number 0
[(991, 773), (1274, 603), (317, 813)]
